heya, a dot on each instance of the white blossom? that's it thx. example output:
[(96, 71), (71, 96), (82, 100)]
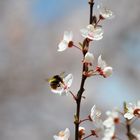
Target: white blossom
[(63, 135), (64, 86), (132, 110), (112, 119), (93, 33), (109, 133), (113, 114), (136, 133), (65, 43), (94, 114), (103, 69), (105, 12), (88, 58), (108, 122)]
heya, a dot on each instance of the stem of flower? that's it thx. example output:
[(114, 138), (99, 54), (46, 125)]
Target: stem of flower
[(91, 3), (87, 137), (74, 97), (97, 22), (77, 47), (87, 119), (81, 90)]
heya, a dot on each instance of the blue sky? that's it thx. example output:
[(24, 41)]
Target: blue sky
[(47, 10)]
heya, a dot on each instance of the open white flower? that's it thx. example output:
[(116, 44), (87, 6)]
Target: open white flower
[(93, 33), (66, 42), (94, 114), (89, 58), (108, 122), (114, 115), (109, 133), (103, 69), (136, 133), (105, 13), (132, 110), (113, 118), (63, 135), (63, 85)]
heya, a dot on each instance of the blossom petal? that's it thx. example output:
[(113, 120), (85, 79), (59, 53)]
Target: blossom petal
[(63, 135), (68, 80), (62, 46), (106, 13), (107, 71), (109, 122), (128, 115), (95, 114), (130, 107), (84, 32), (109, 132), (138, 104), (98, 33), (67, 133), (101, 63), (91, 32), (68, 36), (59, 90), (89, 57), (56, 137)]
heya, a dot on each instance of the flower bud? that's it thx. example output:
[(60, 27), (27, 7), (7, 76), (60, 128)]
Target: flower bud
[(107, 71), (88, 58)]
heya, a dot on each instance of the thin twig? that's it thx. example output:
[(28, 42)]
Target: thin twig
[(75, 98), (87, 137), (87, 119), (77, 47)]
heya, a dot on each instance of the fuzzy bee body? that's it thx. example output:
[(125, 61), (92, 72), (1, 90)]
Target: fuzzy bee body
[(55, 81)]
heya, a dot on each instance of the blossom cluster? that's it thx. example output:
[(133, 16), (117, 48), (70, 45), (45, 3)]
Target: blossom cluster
[(61, 84), (106, 128), (91, 32)]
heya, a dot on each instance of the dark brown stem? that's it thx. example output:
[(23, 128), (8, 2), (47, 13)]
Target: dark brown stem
[(87, 137), (128, 128), (87, 119), (77, 47), (91, 3), (78, 102), (81, 90), (74, 97)]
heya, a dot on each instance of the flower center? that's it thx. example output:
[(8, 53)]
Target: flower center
[(116, 120), (61, 134), (137, 112), (70, 44)]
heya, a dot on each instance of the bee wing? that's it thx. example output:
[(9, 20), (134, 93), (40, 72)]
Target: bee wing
[(62, 74), (47, 79)]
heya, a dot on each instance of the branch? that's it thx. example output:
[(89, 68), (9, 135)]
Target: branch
[(83, 79)]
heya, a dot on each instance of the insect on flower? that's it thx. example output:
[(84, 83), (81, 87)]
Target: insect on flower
[(60, 84)]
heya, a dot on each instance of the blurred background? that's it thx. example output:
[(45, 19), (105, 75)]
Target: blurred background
[(30, 31)]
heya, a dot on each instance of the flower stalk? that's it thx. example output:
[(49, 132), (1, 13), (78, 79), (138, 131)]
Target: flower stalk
[(83, 79)]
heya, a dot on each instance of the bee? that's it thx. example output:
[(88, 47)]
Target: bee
[(56, 81)]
